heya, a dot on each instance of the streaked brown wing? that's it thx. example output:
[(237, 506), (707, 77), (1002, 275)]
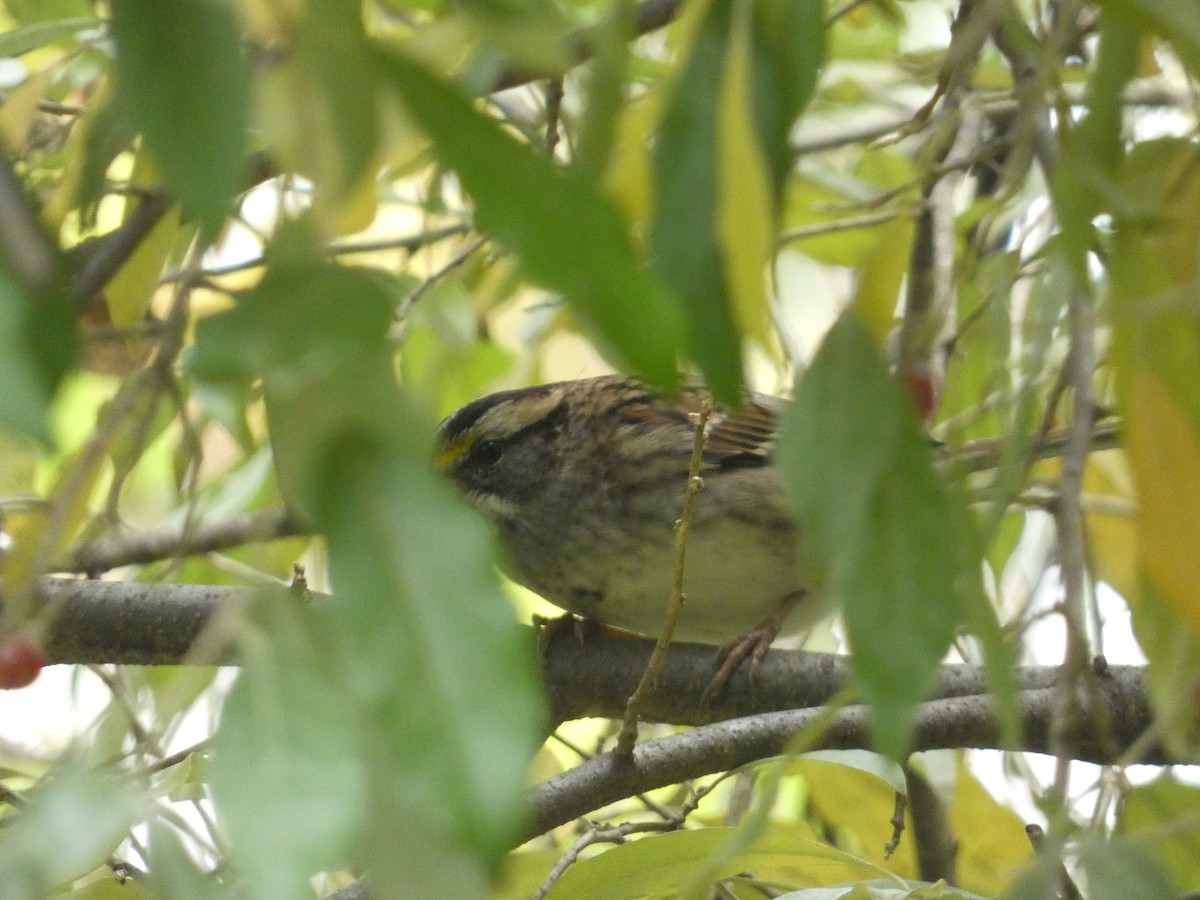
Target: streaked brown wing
[(745, 437)]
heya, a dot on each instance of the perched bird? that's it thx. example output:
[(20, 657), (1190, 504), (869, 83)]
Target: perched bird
[(585, 480)]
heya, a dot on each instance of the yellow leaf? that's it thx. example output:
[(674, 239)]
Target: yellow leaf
[(992, 842), (1164, 453), (745, 214), (881, 275), (19, 109), (352, 211), (129, 292), (1112, 538), (629, 180), (858, 808)]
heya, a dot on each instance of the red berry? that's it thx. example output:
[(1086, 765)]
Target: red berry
[(924, 390), (20, 662)]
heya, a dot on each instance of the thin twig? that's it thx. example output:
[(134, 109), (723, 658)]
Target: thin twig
[(597, 834), (175, 541), (628, 734), (1072, 554), (988, 453), (408, 243), (847, 223), (457, 260)]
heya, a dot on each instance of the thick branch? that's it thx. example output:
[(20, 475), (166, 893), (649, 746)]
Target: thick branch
[(951, 722), (124, 622), (143, 624)]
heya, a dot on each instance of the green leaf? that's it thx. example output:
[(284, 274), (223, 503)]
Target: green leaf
[(789, 50), (432, 661), (745, 194), (1121, 870), (287, 772), (660, 864), (435, 659), (30, 37), (38, 336), (333, 45), (877, 520), (684, 247), (886, 770), (605, 89), (567, 235), (173, 874), (1166, 809), (73, 821), (183, 80), (1176, 20)]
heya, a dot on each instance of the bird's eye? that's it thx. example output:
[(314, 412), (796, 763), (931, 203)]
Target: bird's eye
[(487, 453)]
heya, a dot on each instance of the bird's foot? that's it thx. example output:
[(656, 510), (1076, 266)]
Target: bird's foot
[(753, 644)]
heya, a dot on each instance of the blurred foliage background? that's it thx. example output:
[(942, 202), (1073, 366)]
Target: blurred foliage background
[(251, 251)]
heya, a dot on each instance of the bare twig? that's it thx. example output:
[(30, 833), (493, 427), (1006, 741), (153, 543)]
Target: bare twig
[(1072, 554), (472, 247), (597, 834), (628, 734), (988, 453), (175, 541)]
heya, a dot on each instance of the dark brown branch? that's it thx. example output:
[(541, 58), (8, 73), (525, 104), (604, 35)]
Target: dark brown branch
[(130, 623), (100, 258), (125, 622), (951, 722), (159, 624), (932, 833), (174, 541), (988, 453)]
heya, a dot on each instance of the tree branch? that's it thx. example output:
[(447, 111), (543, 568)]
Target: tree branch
[(718, 747), (171, 541), (144, 624), (98, 259)]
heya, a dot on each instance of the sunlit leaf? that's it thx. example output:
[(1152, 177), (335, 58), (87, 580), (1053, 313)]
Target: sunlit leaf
[(992, 843), (660, 863), (882, 274), (19, 109), (1164, 452), (857, 805)]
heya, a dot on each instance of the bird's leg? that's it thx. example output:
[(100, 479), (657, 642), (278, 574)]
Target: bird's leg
[(754, 644)]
